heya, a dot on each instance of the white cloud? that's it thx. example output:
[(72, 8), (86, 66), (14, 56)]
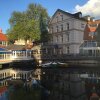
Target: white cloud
[(92, 7)]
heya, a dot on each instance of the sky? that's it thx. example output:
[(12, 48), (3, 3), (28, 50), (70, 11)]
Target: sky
[(87, 7)]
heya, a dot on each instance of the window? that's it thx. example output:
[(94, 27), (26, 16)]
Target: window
[(56, 38), (56, 28), (61, 17), (44, 51), (51, 29), (57, 19), (68, 50), (13, 75), (82, 25), (51, 39), (5, 74), (92, 34), (68, 37), (67, 26), (61, 27), (25, 76), (62, 38)]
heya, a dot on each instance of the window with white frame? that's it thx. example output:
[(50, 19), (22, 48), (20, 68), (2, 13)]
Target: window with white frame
[(51, 39), (67, 26), (56, 28), (62, 38), (62, 27), (82, 25), (51, 29), (68, 37), (57, 19), (68, 50), (61, 17), (56, 39)]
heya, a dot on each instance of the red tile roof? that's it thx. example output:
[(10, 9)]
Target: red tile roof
[(2, 36)]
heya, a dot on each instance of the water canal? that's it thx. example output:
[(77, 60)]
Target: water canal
[(72, 83)]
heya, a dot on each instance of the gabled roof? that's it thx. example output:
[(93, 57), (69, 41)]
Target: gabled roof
[(75, 15), (2, 36)]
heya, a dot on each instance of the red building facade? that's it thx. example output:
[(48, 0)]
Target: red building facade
[(90, 30), (3, 39)]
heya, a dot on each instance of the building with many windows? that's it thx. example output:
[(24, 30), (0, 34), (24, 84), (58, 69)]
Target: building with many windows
[(66, 32)]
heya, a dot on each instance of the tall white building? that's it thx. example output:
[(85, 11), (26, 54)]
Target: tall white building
[(66, 32)]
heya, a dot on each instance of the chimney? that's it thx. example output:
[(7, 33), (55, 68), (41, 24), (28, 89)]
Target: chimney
[(0, 30)]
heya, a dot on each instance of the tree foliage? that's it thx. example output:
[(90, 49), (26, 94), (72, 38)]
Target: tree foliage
[(27, 25)]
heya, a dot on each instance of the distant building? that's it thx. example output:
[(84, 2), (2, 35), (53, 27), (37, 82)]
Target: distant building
[(89, 47), (22, 42), (19, 52), (3, 39), (90, 29), (66, 32), (16, 62), (89, 33)]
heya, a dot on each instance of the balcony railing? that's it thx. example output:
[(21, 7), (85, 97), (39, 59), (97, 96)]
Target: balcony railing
[(7, 57)]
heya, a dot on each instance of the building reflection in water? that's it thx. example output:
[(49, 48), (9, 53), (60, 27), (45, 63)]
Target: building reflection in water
[(64, 83), (69, 84)]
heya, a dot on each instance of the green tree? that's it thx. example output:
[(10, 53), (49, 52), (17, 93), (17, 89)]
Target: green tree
[(26, 25), (44, 29)]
